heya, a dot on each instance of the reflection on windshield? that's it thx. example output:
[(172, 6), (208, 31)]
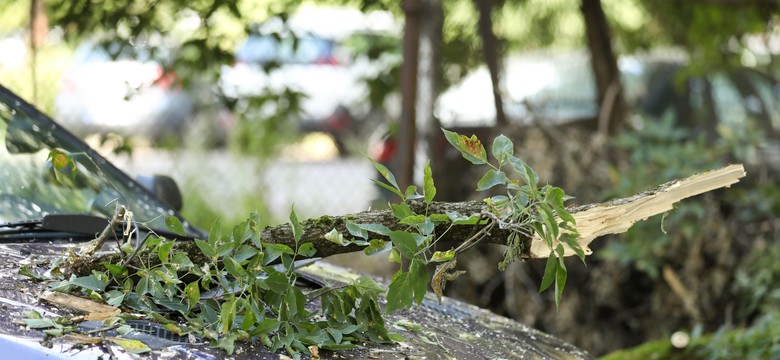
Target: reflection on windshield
[(29, 189)]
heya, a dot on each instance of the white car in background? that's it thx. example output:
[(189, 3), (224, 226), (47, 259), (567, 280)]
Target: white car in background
[(119, 88)]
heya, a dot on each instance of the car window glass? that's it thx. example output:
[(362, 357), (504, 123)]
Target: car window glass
[(30, 189)]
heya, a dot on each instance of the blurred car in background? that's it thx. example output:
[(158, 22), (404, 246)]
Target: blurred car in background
[(119, 88), (309, 55)]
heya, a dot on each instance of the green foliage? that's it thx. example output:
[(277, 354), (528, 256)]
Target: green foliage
[(525, 209), (237, 294)]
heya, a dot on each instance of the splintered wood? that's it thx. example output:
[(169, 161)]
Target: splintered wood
[(617, 216)]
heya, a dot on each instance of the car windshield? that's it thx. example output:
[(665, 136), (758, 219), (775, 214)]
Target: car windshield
[(30, 188)]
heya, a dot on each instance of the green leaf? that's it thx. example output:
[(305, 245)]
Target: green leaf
[(174, 224), (549, 221), (164, 250), (366, 285), (394, 257), (389, 188), (502, 148), (411, 193), (130, 345), (399, 293), (192, 293), (408, 325), (554, 197), (335, 236), (245, 252), (471, 148), (401, 211), (205, 248), (90, 282), (571, 241), (307, 249), (355, 230), (407, 287), (274, 251), (492, 178), (442, 256), (278, 282), (459, 219), (297, 230), (429, 190), (405, 242), (418, 276), (549, 272), (114, 298), (40, 323), (560, 283), (227, 316), (115, 270), (376, 246), (393, 187), (376, 228), (233, 267), (215, 234)]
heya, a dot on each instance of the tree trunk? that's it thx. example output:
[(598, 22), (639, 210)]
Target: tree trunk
[(490, 49), (612, 107), (407, 132)]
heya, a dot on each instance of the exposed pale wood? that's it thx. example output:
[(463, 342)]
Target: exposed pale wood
[(80, 304), (617, 216)]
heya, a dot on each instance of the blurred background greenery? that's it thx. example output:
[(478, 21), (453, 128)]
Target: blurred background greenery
[(263, 127)]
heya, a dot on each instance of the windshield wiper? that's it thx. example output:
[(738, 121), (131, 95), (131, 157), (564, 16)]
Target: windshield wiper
[(77, 224), (75, 227)]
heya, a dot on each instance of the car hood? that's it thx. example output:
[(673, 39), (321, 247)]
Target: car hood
[(450, 329)]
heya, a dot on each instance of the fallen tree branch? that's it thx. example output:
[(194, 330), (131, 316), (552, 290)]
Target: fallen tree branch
[(593, 220)]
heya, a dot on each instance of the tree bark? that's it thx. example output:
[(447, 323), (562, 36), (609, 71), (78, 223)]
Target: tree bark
[(612, 106)]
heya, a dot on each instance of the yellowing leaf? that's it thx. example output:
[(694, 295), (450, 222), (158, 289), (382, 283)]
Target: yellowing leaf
[(130, 345), (470, 147)]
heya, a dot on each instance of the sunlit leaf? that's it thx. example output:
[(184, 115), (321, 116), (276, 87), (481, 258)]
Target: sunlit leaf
[(429, 190), (297, 230), (335, 236), (192, 293), (442, 256), (130, 345), (393, 185)]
